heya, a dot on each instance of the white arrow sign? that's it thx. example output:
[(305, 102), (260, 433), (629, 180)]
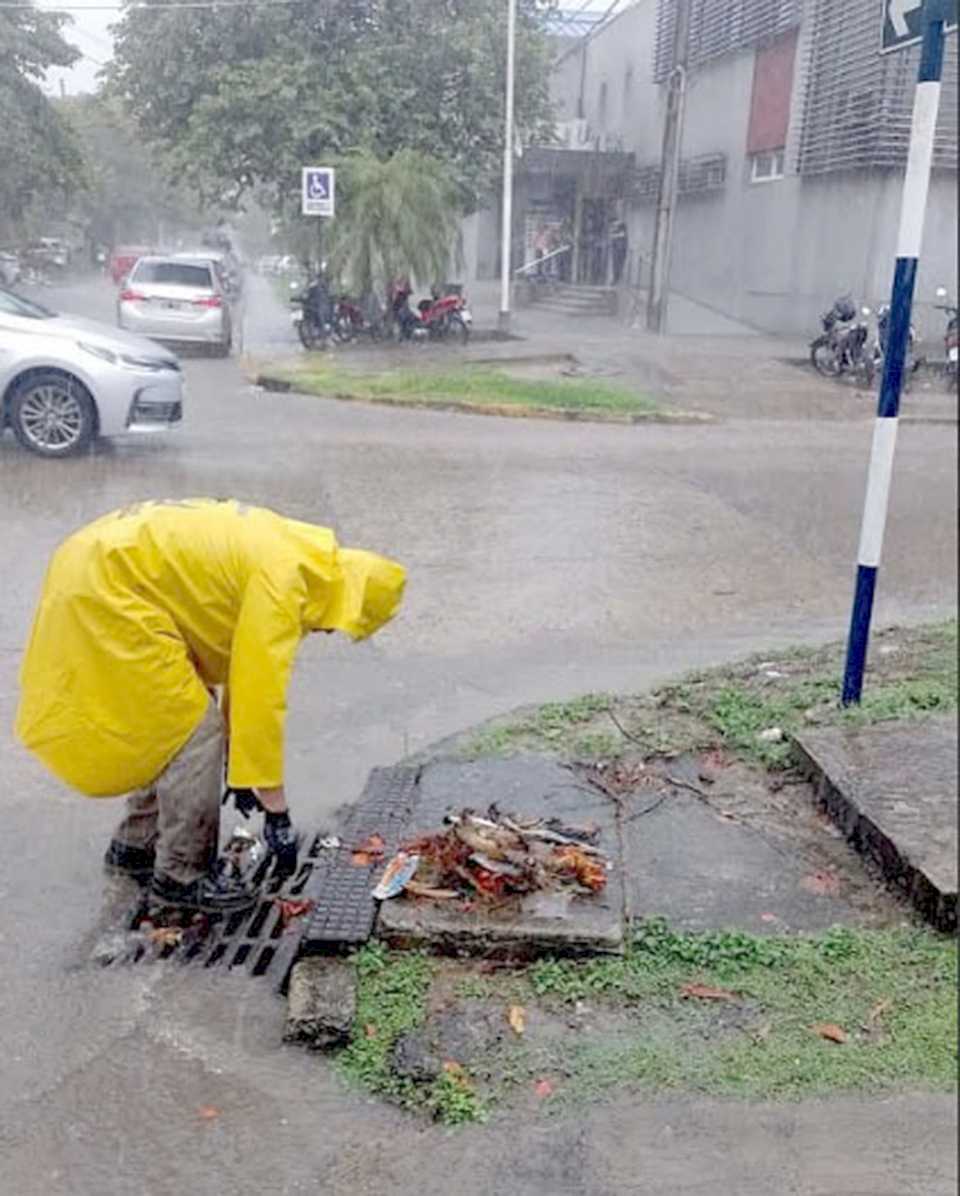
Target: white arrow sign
[(898, 14), (903, 23)]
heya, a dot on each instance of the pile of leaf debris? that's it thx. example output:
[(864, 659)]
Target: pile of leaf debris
[(497, 857)]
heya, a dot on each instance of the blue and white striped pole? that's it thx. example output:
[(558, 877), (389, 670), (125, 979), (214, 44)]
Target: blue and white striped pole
[(912, 211)]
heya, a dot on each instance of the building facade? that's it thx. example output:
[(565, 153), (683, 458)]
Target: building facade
[(794, 143)]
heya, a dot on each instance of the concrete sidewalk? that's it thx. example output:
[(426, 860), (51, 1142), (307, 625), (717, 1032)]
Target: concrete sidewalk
[(707, 363)]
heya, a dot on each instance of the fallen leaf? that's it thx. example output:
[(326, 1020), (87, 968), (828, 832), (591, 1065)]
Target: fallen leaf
[(727, 816), (457, 1073), (208, 1112), (879, 1010), (830, 1031), (823, 884), (706, 992), (370, 1030), (543, 1089), (517, 1017), (369, 851), (290, 909), (373, 844), (165, 936), (769, 918)]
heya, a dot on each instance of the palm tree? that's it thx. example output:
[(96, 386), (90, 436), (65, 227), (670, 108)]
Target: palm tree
[(395, 216)]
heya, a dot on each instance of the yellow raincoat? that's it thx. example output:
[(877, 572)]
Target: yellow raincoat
[(147, 608)]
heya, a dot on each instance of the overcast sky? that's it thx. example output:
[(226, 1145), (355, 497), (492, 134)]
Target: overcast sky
[(89, 31)]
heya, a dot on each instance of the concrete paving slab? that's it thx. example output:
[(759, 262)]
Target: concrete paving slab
[(687, 864), (892, 789), (525, 785)]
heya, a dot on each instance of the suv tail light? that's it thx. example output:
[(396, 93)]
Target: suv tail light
[(209, 301), (128, 296)]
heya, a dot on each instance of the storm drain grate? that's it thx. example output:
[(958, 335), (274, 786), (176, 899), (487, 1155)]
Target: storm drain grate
[(255, 940), (343, 912)]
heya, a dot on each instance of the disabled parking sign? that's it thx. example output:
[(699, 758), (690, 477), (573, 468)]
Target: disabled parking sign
[(317, 190)]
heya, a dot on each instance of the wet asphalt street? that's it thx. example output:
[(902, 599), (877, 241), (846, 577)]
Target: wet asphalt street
[(545, 559)]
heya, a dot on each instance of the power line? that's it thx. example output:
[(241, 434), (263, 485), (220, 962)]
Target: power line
[(119, 7)]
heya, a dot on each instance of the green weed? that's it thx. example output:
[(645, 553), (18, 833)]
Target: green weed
[(392, 990)]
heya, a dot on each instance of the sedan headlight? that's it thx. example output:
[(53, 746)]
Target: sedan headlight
[(98, 351), (126, 362)]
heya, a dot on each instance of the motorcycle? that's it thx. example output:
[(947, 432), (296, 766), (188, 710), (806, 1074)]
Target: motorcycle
[(363, 318), (436, 318), (951, 345), (911, 362), (840, 347), (314, 316)]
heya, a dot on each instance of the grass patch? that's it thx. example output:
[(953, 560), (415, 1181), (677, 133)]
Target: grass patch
[(467, 386), (912, 674), (392, 993), (893, 993)]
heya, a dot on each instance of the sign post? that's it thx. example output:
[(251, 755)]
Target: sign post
[(903, 21), (317, 190)]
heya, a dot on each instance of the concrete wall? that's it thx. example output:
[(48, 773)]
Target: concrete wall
[(773, 254)]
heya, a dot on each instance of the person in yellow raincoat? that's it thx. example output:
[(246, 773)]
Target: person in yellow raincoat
[(143, 615)]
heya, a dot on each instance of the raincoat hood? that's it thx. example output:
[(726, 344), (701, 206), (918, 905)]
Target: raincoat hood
[(347, 589)]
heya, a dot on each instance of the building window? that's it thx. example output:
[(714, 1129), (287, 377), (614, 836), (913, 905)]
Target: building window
[(627, 91), (602, 106), (766, 165)]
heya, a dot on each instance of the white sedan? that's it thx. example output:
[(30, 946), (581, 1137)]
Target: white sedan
[(65, 380)]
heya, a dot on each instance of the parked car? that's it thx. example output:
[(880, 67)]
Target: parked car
[(123, 259), (181, 300), (65, 380), (226, 264)]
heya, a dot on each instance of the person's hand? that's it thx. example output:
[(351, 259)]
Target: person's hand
[(245, 800), (283, 841)]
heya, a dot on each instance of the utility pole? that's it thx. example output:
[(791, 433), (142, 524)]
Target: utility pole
[(503, 322), (658, 296)]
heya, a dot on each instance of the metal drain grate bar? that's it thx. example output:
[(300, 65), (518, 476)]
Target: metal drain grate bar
[(344, 912), (255, 940)]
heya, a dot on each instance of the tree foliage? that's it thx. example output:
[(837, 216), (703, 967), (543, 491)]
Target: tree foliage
[(38, 152), (249, 95), (128, 193), (397, 216)]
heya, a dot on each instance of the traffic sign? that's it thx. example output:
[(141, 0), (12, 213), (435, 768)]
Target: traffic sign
[(317, 189), (903, 23)]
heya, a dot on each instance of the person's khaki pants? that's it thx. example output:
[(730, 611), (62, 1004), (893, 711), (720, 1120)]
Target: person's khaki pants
[(178, 816)]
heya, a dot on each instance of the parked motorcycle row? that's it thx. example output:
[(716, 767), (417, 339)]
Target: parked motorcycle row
[(322, 318), (848, 347)]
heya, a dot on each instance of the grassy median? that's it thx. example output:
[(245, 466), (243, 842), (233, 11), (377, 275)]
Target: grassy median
[(480, 387)]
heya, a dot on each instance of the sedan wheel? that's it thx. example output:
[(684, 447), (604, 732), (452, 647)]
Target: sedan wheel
[(52, 415)]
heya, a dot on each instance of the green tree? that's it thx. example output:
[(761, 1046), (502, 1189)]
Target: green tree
[(40, 156), (128, 193), (397, 215), (249, 95)]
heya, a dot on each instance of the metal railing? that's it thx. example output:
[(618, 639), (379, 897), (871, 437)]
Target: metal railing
[(538, 262)]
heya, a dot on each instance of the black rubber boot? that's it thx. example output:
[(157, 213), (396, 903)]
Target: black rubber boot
[(208, 894), (126, 860)]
